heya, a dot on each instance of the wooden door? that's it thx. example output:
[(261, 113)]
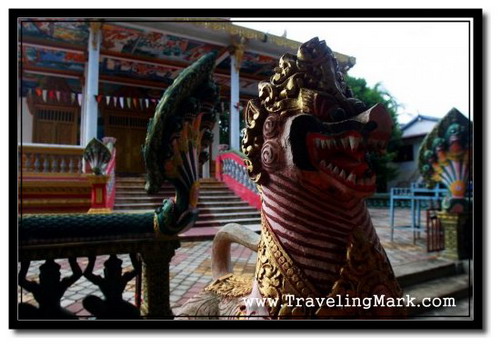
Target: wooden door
[(130, 133), (55, 124)]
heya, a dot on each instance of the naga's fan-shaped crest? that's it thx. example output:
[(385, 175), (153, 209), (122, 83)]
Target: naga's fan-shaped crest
[(177, 140), (181, 127)]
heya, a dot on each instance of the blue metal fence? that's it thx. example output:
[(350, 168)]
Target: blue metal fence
[(417, 195)]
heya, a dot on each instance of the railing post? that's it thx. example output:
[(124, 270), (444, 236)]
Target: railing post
[(156, 291)]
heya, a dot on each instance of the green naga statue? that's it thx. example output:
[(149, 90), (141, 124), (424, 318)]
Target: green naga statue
[(175, 148), (176, 143), (445, 157)]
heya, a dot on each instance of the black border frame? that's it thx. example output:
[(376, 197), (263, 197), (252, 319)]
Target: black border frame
[(365, 15)]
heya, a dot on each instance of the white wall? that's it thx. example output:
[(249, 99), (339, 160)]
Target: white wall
[(407, 169)]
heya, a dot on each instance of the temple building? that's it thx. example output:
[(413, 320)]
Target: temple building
[(84, 79), (413, 133), (81, 79)]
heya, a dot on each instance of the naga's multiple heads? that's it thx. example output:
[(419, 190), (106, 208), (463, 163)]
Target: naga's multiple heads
[(306, 124)]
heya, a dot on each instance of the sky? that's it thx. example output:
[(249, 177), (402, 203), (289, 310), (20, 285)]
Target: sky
[(424, 66)]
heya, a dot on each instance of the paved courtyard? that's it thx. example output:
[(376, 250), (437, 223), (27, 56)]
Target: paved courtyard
[(190, 267)]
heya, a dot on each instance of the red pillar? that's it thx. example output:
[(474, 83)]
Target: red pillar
[(99, 194)]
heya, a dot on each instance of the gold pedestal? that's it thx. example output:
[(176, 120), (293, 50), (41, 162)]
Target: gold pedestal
[(456, 236)]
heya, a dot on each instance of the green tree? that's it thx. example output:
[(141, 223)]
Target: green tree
[(371, 96)]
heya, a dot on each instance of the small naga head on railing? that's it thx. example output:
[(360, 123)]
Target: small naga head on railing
[(177, 142), (445, 156), (97, 154), (307, 125)]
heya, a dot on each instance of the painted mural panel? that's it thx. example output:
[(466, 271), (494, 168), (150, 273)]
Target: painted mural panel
[(72, 32), (253, 64), (123, 68), (153, 44), (53, 59), (119, 39)]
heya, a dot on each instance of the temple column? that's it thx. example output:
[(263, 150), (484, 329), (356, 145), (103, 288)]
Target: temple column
[(237, 50), (216, 140), (88, 126), (205, 169)]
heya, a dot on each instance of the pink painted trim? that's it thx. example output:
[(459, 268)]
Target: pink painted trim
[(219, 160), (243, 192), (233, 156)]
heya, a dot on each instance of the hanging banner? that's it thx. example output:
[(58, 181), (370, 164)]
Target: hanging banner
[(99, 98), (134, 101), (129, 102), (147, 102), (44, 95), (73, 97), (80, 99), (58, 95), (108, 98), (122, 102)]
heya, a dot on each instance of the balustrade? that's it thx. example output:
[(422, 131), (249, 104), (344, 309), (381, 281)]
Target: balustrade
[(232, 170), (45, 159), (73, 236)]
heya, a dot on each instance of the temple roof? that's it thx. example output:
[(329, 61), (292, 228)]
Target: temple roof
[(150, 52)]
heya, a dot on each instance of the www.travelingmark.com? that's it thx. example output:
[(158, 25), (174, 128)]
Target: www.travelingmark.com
[(346, 301)]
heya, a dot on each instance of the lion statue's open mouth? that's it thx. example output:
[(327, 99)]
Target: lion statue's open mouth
[(339, 150)]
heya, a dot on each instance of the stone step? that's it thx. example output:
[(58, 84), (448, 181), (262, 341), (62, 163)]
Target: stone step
[(166, 183), (204, 199), (158, 198), (218, 210), (166, 193), (142, 181), (141, 190), (457, 287), (202, 206), (218, 203), (424, 270), (145, 206), (160, 194), (228, 215), (205, 212), (224, 221)]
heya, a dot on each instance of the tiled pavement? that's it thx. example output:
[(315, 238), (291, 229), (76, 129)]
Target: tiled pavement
[(190, 267)]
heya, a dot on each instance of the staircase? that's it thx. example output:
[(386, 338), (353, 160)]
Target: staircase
[(435, 278), (218, 205)]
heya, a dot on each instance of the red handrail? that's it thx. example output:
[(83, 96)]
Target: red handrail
[(232, 183)]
